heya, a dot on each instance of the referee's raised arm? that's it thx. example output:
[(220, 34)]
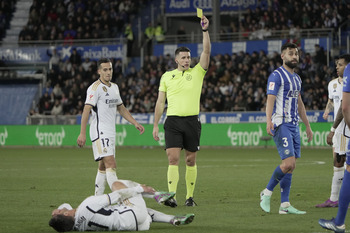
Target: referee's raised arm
[(205, 56)]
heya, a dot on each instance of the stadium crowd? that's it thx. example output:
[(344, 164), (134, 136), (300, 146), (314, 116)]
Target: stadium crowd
[(234, 82)]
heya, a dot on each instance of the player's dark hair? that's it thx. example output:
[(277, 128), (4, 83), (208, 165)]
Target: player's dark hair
[(288, 45), (62, 223), (102, 60), (181, 49), (346, 58)]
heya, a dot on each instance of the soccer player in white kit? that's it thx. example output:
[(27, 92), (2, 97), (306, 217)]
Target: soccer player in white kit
[(336, 135), (102, 101), (122, 210)]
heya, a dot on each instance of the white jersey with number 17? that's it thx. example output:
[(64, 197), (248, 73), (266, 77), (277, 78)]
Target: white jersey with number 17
[(104, 101)]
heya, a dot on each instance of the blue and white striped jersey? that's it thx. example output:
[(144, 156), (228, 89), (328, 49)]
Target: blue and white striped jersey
[(346, 80), (286, 87)]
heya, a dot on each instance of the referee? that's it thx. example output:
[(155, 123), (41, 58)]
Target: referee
[(182, 88)]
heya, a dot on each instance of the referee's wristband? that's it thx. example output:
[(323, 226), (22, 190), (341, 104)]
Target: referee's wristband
[(332, 129)]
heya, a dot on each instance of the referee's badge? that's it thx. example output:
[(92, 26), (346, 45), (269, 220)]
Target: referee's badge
[(188, 77)]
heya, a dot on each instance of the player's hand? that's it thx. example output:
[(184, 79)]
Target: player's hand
[(204, 23), (330, 138), (81, 140), (269, 128), (140, 128), (325, 115), (309, 134), (155, 132)]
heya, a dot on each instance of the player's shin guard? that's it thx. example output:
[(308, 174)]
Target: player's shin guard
[(338, 174), (277, 175), (285, 184), (111, 176), (100, 182), (173, 177), (191, 177)]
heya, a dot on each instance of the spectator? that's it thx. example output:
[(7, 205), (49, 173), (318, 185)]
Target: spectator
[(57, 109), (181, 34), (75, 57), (159, 33), (130, 39)]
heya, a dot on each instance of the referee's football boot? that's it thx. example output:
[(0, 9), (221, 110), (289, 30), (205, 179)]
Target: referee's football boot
[(171, 202), (182, 220), (162, 197), (190, 202)]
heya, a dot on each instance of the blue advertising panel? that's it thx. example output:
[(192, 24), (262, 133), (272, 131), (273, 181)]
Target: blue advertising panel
[(190, 6), (268, 46), (32, 55)]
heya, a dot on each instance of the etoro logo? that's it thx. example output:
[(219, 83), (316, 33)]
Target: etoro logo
[(244, 138), (120, 136), (50, 138), (3, 136)]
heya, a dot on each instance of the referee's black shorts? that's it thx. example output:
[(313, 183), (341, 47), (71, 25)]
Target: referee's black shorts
[(182, 132)]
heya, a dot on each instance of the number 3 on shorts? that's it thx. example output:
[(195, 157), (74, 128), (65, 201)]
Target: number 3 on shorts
[(285, 142)]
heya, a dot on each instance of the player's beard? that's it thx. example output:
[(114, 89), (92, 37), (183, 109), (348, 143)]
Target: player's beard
[(291, 65)]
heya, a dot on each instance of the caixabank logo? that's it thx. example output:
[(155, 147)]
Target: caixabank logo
[(50, 138), (3, 136)]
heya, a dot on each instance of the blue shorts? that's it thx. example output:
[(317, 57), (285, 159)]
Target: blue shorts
[(287, 140), (348, 154)]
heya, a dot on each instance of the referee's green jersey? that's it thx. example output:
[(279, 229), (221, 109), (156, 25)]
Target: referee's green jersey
[(183, 90)]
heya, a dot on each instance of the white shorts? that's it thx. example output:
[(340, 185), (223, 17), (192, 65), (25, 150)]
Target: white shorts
[(103, 147), (340, 143)]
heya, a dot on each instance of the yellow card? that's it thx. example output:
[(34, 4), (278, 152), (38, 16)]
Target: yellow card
[(199, 13)]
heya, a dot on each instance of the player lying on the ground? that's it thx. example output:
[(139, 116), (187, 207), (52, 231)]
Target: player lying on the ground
[(122, 210)]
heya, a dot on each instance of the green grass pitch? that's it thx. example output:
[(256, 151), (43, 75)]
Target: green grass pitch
[(34, 181)]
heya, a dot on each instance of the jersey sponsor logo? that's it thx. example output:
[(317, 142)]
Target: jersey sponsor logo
[(293, 94), (272, 86), (112, 103)]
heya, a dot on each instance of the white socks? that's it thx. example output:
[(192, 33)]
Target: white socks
[(159, 216), (338, 174), (100, 183), (111, 175)]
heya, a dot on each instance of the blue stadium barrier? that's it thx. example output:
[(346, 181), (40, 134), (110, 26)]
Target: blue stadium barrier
[(15, 102)]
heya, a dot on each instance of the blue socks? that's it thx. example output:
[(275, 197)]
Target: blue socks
[(277, 175), (344, 199), (285, 184)]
